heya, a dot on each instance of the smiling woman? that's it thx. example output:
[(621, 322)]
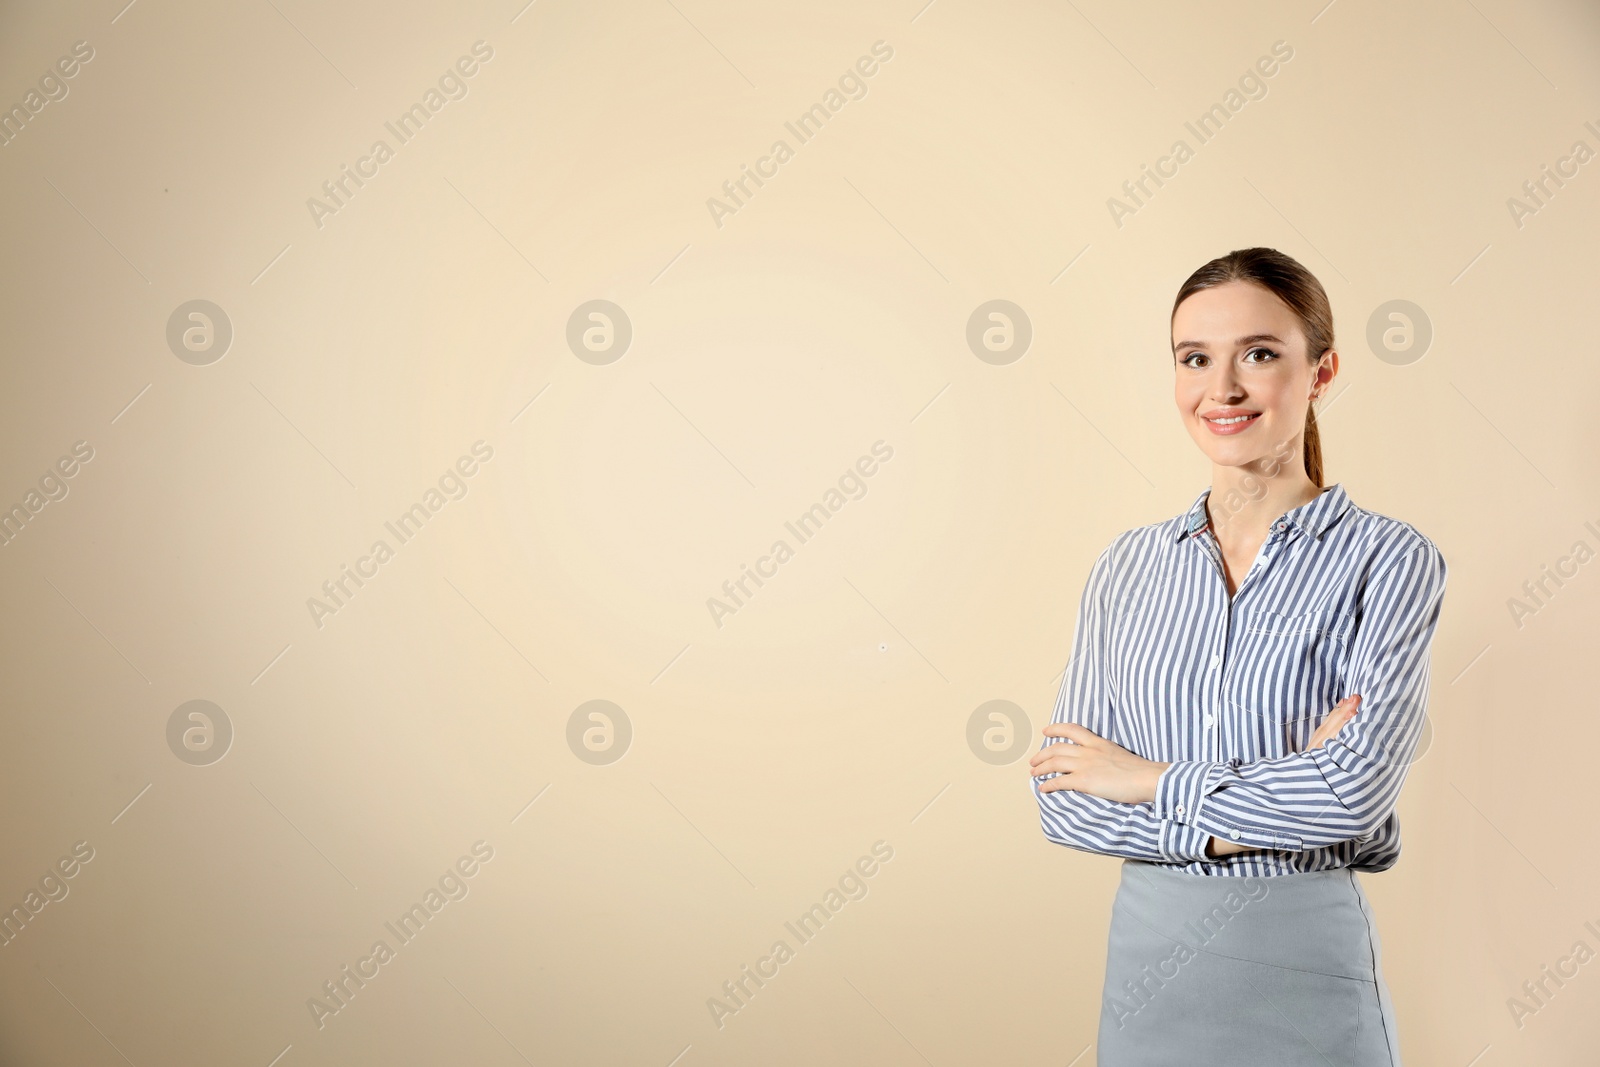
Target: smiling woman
[(1192, 735)]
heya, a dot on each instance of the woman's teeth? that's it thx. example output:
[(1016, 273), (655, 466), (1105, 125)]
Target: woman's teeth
[(1234, 419)]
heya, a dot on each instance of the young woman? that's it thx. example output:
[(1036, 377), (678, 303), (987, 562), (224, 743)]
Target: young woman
[(1193, 735)]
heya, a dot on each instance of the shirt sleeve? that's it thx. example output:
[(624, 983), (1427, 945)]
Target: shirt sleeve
[(1082, 820), (1347, 788)]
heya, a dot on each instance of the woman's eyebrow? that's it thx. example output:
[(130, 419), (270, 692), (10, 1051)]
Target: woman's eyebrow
[(1241, 342)]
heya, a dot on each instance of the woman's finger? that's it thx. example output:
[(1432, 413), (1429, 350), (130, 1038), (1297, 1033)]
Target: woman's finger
[(1053, 761), (1342, 713), (1074, 782), (1072, 731)]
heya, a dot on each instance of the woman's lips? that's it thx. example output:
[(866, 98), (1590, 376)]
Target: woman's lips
[(1227, 429)]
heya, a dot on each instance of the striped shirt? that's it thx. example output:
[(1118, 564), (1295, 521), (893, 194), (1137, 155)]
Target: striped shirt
[(1339, 600)]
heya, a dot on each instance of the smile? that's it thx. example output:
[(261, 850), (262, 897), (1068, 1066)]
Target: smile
[(1232, 424)]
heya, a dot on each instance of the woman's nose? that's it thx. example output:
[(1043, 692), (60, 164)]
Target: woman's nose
[(1222, 385)]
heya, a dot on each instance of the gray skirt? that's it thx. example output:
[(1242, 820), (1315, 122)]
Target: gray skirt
[(1284, 970)]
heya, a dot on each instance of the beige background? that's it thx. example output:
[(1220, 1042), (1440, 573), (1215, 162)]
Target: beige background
[(769, 353)]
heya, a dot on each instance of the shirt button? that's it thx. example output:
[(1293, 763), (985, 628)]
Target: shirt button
[(1216, 661), (1210, 719), (1179, 809), (1233, 833)]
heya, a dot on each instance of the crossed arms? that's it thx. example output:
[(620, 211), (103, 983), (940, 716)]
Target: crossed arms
[(1343, 790)]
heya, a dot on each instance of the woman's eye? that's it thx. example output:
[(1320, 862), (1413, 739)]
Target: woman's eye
[(1188, 361), (1269, 353)]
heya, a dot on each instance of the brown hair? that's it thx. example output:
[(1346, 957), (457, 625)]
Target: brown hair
[(1285, 278)]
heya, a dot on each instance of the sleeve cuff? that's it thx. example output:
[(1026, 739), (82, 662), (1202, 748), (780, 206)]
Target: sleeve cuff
[(1180, 791), (1184, 844)]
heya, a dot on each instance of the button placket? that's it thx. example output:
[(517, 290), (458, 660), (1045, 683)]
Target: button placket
[(1208, 741)]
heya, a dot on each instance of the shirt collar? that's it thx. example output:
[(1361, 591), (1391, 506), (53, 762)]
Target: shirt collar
[(1313, 517)]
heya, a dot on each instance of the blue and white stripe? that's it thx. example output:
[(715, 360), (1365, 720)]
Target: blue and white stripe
[(1340, 600)]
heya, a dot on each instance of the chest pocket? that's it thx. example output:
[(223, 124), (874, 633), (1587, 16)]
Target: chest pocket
[(1325, 623), (1289, 670)]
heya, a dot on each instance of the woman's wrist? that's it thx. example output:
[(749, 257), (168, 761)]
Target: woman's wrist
[(1217, 847), (1153, 779)]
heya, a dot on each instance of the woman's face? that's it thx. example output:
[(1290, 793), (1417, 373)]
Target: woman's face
[(1243, 381)]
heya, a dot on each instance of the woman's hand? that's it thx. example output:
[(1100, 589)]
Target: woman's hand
[(1091, 764), (1342, 713)]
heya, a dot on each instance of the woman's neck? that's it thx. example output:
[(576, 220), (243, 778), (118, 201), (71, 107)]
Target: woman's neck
[(1245, 504)]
